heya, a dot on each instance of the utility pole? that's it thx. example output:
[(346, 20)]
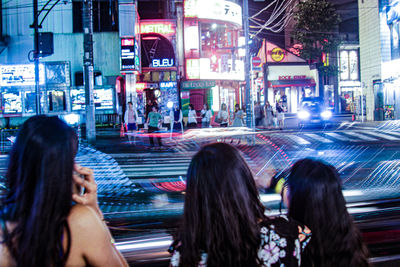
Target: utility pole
[(36, 53), (88, 77), (248, 98)]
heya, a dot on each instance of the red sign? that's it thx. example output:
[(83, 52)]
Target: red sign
[(256, 61), (128, 42)]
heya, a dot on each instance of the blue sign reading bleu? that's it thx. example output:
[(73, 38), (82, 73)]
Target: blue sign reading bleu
[(162, 63)]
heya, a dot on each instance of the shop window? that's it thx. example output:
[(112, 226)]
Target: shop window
[(30, 102), (57, 101), (216, 36), (147, 77), (173, 76), (105, 16), (155, 76), (12, 102), (167, 76)]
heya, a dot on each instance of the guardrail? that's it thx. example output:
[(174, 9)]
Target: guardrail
[(107, 119)]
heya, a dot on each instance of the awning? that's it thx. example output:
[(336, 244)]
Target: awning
[(289, 83)]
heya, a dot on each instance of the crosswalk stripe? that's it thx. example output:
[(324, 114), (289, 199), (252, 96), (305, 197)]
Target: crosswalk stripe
[(339, 137), (360, 136), (319, 138), (382, 135), (392, 133), (298, 139)]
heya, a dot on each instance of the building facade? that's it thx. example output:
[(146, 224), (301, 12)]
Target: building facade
[(380, 58), (213, 52), (61, 73), (290, 78)]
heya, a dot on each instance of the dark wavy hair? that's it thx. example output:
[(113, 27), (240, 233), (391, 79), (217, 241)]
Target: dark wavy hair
[(39, 180), (222, 210), (316, 200)]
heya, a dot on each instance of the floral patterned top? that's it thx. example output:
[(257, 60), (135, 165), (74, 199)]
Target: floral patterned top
[(283, 241)]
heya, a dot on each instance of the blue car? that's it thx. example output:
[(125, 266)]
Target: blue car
[(313, 112)]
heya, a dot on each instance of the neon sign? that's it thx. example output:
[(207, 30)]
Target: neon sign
[(166, 85), (128, 42), (164, 27), (162, 63)]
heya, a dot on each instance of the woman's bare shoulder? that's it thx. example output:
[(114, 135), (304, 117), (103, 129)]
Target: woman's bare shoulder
[(82, 216), (6, 259)]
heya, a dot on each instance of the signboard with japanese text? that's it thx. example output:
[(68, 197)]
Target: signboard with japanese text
[(20, 75), (130, 57), (214, 10)]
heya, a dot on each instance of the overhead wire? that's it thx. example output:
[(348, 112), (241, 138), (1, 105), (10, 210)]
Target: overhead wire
[(279, 18)]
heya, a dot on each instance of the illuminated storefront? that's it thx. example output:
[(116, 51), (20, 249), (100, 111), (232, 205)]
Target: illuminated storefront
[(349, 79), (18, 96), (211, 43), (390, 85), (290, 78), (157, 84)]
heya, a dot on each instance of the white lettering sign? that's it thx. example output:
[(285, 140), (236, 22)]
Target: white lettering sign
[(20, 75), (163, 63), (214, 9)]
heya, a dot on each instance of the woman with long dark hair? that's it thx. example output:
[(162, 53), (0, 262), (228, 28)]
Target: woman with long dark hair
[(192, 117), (223, 219), (315, 198), (39, 225)]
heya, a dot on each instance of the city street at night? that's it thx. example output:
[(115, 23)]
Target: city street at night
[(220, 133)]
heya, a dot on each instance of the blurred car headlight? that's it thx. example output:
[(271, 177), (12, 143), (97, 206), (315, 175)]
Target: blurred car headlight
[(326, 114), (303, 114), (71, 119)]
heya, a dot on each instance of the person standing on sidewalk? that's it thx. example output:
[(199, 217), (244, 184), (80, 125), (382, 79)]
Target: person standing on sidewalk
[(130, 120), (205, 116), (223, 116), (269, 115), (238, 117), (153, 121), (175, 116), (192, 121), (258, 113), (280, 115)]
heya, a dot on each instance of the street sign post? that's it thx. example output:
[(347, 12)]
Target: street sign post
[(256, 61)]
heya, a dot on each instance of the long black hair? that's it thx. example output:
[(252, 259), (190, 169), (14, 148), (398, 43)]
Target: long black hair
[(222, 210), (39, 179), (316, 200)]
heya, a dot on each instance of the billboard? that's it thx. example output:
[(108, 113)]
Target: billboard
[(20, 75), (214, 10), (130, 57)]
